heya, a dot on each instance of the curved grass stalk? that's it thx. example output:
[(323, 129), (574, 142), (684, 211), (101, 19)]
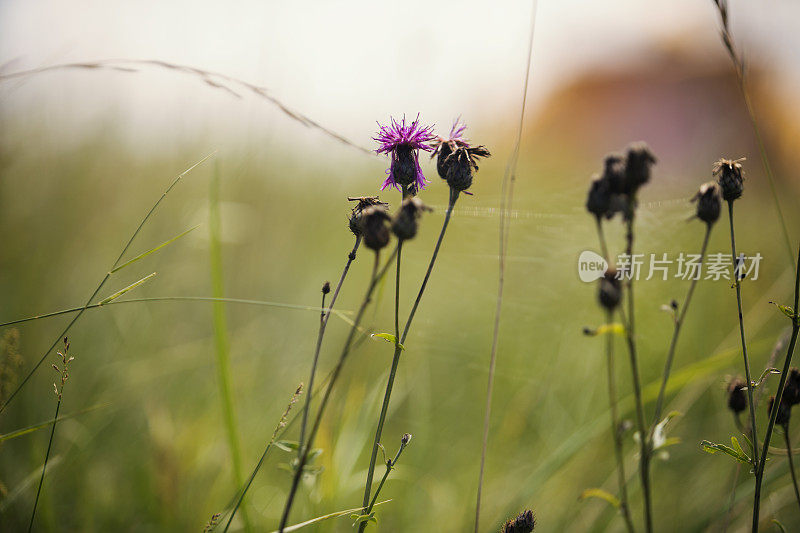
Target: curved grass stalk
[(791, 462), (102, 282)]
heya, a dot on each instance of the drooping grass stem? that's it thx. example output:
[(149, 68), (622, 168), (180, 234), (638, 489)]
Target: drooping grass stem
[(737, 284), (398, 350), (630, 336), (616, 432), (375, 278), (778, 395), (326, 314), (676, 332)]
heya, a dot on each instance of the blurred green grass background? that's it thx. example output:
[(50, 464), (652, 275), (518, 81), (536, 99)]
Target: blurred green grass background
[(154, 456)]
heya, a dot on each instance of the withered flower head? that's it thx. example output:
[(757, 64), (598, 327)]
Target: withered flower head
[(610, 292), (730, 177), (737, 399), (709, 202), (404, 224), (791, 391), (637, 166), (523, 523), (784, 411), (373, 227), (457, 158), (362, 202)]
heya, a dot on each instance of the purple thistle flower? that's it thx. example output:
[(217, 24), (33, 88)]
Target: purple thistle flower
[(404, 142), (458, 159)]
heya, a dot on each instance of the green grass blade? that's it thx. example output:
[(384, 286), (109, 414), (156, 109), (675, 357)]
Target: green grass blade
[(326, 517), (221, 336), (153, 250), (49, 422), (130, 287)]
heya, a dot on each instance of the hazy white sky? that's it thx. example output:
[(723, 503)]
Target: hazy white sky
[(348, 64)]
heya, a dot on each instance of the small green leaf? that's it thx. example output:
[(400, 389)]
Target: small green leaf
[(287, 445), (388, 337), (359, 518), (126, 289), (785, 309), (713, 448), (615, 328), (601, 494)]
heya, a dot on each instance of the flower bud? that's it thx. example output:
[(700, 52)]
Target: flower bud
[(730, 178), (444, 151), (404, 224), (610, 292), (637, 166), (599, 201), (406, 438), (523, 523), (404, 165), (326, 287), (784, 411), (373, 227), (460, 164), (737, 399), (791, 391), (614, 173), (709, 202)]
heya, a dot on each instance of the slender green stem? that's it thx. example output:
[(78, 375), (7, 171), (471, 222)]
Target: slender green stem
[(326, 314), (398, 350), (601, 236), (100, 285), (221, 342), (737, 284), (630, 336), (46, 458), (375, 278), (281, 424), (389, 467), (791, 462), (674, 342), (615, 428), (778, 396)]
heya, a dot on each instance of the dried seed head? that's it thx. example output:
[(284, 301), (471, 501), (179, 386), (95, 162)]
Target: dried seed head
[(610, 292), (405, 225), (598, 202), (523, 523), (326, 287), (373, 227), (709, 202), (637, 166), (362, 202), (791, 392), (730, 177), (460, 165), (614, 173), (737, 399), (784, 411)]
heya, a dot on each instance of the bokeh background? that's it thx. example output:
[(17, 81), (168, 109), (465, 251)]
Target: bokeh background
[(85, 152)]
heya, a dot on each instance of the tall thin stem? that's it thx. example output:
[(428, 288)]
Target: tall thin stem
[(326, 314), (791, 462), (630, 336), (398, 350), (375, 278), (778, 396), (750, 403), (615, 428), (46, 458), (674, 342), (389, 467)]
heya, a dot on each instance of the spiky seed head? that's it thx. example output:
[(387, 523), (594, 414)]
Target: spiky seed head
[(737, 399), (709, 202), (730, 177), (374, 228), (523, 523), (362, 202), (610, 292)]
